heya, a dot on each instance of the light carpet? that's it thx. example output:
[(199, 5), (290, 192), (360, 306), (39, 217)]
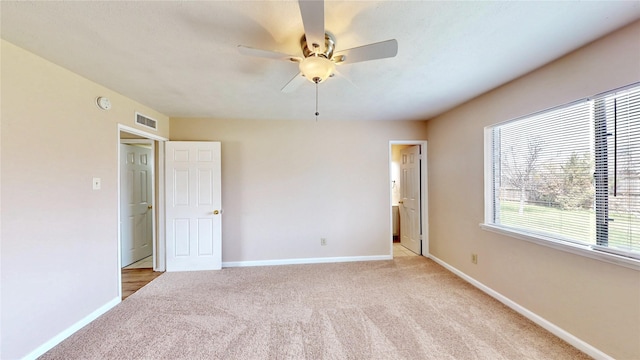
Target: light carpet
[(407, 308)]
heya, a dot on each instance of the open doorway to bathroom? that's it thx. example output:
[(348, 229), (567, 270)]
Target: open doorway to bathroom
[(408, 173)]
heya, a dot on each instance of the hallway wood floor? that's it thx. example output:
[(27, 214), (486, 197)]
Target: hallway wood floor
[(134, 279)]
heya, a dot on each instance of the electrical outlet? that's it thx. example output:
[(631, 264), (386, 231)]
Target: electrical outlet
[(323, 241), (474, 258)]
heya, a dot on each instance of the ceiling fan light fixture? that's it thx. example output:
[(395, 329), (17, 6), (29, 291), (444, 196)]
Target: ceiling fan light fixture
[(316, 68)]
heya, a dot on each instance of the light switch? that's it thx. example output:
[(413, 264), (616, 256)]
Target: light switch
[(96, 183)]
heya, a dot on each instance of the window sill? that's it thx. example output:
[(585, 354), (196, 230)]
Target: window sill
[(577, 249)]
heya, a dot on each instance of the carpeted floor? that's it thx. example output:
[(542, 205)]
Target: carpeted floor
[(408, 308)]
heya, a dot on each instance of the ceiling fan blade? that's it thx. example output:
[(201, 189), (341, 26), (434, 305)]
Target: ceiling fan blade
[(380, 50), (294, 83), (312, 12), (248, 51)]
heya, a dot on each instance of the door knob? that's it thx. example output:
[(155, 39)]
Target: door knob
[(216, 212), (400, 202), (150, 207)]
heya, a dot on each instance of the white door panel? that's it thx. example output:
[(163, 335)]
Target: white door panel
[(194, 200), (136, 202), (410, 199)]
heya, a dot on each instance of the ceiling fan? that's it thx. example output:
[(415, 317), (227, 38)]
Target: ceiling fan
[(318, 61)]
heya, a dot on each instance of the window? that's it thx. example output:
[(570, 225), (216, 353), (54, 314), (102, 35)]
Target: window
[(570, 175)]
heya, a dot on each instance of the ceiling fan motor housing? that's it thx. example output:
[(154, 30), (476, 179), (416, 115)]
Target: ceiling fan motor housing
[(317, 49)]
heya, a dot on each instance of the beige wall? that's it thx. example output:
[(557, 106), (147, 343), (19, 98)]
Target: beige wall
[(59, 237), (286, 184), (595, 301)]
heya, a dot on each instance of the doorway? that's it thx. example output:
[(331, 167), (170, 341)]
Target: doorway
[(408, 197), (141, 218)]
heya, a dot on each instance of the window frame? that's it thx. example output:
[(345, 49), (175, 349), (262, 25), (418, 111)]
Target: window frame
[(488, 224)]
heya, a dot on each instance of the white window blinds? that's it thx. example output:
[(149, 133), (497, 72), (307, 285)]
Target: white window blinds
[(572, 174)]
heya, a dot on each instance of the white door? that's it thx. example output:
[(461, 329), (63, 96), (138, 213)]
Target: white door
[(194, 200), (409, 205), (136, 199)]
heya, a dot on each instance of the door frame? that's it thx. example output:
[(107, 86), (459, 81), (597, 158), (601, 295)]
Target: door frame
[(424, 190), (158, 220)]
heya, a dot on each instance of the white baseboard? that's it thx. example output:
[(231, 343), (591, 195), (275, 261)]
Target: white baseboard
[(305, 261), (552, 328), (72, 329)]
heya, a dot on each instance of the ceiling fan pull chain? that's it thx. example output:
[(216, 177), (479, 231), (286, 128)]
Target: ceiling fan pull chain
[(317, 113)]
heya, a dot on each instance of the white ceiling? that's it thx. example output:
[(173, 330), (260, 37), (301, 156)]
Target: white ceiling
[(180, 58)]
